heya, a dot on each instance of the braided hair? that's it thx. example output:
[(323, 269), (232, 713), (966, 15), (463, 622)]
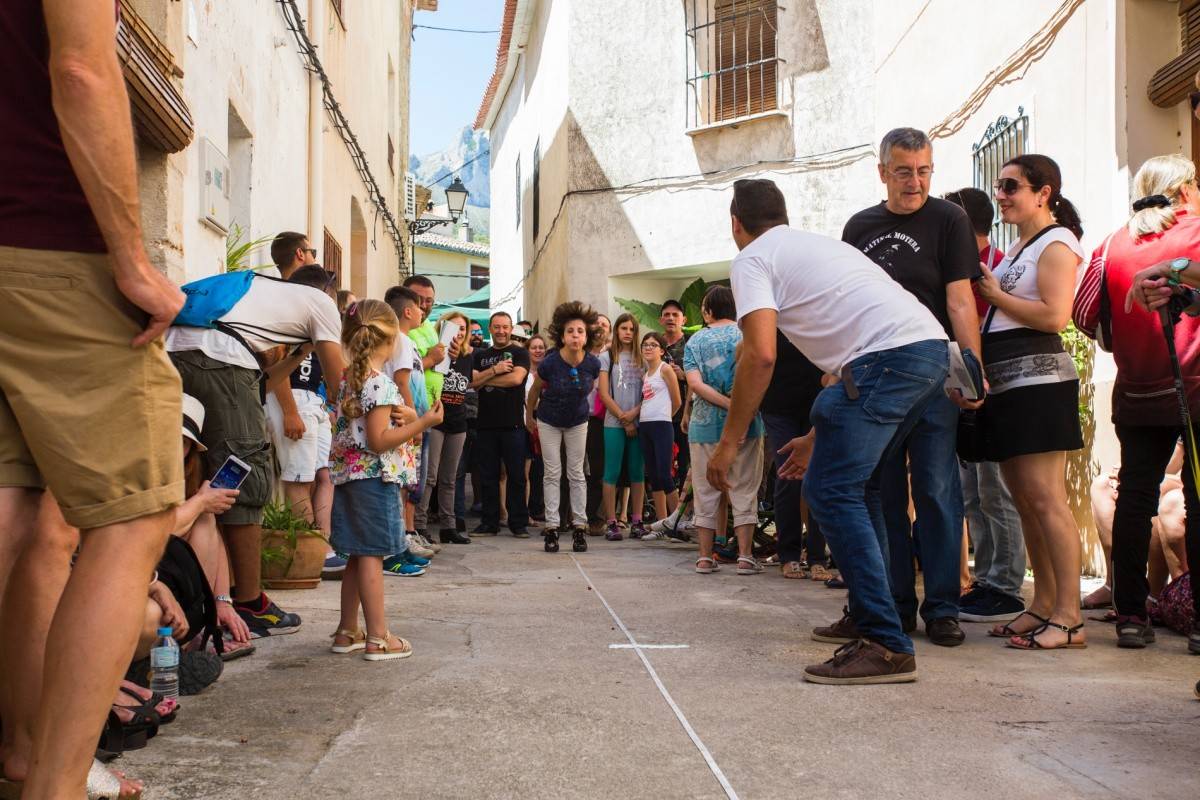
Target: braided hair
[(368, 325)]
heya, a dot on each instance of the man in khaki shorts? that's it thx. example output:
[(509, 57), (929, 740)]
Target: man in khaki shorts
[(89, 402)]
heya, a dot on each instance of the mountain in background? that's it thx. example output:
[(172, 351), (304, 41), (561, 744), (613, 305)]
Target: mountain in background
[(470, 146)]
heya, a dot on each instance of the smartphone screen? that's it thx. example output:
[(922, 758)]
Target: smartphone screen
[(231, 474)]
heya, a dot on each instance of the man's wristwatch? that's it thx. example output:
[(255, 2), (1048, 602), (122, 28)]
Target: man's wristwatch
[(224, 598), (1177, 268)]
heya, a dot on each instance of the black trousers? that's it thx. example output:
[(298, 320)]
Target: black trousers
[(506, 446), (1145, 452), (595, 462)]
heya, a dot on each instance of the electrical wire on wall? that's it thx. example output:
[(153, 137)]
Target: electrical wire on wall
[(712, 180), (295, 23)]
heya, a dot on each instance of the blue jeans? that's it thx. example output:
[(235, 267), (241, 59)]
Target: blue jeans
[(995, 528), (853, 438), (928, 454), (789, 522)]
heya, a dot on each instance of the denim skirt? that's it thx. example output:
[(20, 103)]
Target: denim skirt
[(366, 518)]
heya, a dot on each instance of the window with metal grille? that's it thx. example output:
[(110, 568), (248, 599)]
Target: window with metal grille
[(537, 190), (481, 276), (341, 13), (518, 185), (391, 155), (1003, 139), (331, 255), (732, 59)]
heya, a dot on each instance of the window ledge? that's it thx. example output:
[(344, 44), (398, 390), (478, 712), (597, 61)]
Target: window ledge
[(733, 123)]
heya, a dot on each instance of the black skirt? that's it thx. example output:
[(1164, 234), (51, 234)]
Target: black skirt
[(1033, 399)]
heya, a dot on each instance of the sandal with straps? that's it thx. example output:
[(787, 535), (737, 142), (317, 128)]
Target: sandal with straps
[(384, 653), (1005, 631), (1028, 641), (713, 566), (358, 641), (148, 707), (751, 565)]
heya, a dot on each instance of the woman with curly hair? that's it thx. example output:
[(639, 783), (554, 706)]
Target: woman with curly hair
[(557, 413)]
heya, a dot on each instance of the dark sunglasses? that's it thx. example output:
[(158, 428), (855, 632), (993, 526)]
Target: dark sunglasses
[(1008, 185), (574, 376), (311, 251)]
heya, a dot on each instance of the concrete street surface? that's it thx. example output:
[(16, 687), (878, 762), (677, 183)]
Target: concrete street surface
[(516, 691)]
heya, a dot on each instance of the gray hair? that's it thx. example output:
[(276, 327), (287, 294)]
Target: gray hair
[(909, 139)]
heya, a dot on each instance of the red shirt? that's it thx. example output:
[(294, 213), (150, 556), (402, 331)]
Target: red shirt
[(992, 257), (42, 205), (1143, 393)]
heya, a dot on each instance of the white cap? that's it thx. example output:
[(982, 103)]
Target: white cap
[(193, 420), (519, 332)]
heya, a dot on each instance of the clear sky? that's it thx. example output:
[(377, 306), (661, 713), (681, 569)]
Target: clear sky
[(450, 70)]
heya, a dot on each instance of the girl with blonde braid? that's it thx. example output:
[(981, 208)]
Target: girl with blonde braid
[(369, 465)]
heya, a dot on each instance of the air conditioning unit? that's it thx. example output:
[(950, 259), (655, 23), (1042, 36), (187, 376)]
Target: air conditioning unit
[(410, 196), (214, 187)]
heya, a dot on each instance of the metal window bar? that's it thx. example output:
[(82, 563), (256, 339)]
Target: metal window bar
[(721, 71), (1002, 140)]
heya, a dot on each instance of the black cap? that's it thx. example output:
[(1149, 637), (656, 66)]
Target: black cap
[(673, 302)]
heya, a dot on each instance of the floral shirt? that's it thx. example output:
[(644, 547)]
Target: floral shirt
[(349, 457)]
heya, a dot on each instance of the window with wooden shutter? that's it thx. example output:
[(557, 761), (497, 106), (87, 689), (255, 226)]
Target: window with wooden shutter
[(733, 69), (1177, 78), (331, 253), (480, 276), (159, 110)]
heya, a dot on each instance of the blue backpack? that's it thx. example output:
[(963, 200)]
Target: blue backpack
[(211, 298)]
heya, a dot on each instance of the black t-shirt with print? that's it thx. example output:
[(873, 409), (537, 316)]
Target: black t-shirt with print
[(307, 376), (922, 251), (454, 395), (501, 407), (674, 356)]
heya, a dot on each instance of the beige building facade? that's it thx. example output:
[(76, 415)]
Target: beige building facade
[(300, 122)]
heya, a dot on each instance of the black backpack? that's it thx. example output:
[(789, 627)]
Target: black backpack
[(180, 570)]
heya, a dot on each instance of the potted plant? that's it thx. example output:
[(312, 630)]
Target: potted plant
[(293, 551)]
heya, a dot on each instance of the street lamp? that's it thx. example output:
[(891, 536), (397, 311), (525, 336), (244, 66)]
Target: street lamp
[(456, 202)]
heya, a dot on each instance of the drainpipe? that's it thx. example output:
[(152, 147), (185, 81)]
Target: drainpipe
[(316, 125)]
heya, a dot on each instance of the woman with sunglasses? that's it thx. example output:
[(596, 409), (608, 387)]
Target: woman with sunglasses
[(557, 409), (1031, 417)]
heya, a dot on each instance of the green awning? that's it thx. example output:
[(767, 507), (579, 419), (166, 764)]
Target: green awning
[(476, 306)]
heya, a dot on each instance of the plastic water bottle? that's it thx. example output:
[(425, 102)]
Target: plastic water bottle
[(164, 664)]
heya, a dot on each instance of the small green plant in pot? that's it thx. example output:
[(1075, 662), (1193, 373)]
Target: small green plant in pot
[(293, 551)]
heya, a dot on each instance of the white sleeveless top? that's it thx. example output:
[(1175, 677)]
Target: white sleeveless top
[(1020, 279), (656, 399)]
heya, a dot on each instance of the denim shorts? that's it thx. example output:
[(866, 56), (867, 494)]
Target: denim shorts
[(366, 518)]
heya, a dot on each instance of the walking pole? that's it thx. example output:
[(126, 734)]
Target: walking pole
[(1167, 316)]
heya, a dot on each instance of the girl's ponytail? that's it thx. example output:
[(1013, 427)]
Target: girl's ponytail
[(368, 325)]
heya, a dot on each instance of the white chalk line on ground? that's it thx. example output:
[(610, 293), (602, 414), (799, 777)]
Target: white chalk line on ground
[(640, 650), (648, 646)]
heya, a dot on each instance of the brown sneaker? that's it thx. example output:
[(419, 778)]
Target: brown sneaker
[(840, 632), (862, 662)]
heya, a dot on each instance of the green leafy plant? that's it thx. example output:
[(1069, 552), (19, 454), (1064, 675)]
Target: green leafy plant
[(647, 314), (239, 247), (279, 520)]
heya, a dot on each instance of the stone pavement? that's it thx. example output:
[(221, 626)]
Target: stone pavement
[(514, 691)]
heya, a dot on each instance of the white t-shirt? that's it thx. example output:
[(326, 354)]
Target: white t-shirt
[(271, 313), (1020, 279), (834, 303), (656, 398)]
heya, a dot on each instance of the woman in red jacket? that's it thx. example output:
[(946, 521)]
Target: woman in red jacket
[(1165, 225)]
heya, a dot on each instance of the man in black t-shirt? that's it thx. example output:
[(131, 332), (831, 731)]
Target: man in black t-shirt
[(672, 319), (498, 375), (927, 245)]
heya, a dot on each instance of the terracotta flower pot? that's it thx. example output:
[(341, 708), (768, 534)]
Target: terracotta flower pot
[(297, 569)]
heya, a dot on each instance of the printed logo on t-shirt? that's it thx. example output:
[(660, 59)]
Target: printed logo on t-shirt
[(454, 388), (884, 250)]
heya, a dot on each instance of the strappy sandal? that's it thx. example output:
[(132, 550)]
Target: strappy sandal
[(1028, 641), (713, 566), (358, 641), (149, 707), (1005, 631), (795, 570), (819, 572), (752, 566), (384, 653)]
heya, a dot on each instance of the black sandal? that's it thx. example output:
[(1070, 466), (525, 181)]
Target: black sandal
[(1006, 630), (149, 707), (1028, 641), (120, 737)]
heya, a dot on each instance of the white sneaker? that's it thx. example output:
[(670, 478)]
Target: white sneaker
[(416, 548), (654, 534), (429, 544)]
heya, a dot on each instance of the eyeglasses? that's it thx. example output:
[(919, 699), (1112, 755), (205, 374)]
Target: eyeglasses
[(907, 173), (651, 344), (1008, 186), (312, 251)]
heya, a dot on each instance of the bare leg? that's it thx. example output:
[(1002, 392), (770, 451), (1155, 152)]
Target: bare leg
[(369, 580), (1104, 505), (745, 539), (637, 494), (322, 499), (1041, 482), (96, 624), (660, 505), (672, 498), (151, 619), (706, 541), (299, 498), (964, 563), (350, 598), (39, 572), (1035, 548), (1172, 525), (245, 560)]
